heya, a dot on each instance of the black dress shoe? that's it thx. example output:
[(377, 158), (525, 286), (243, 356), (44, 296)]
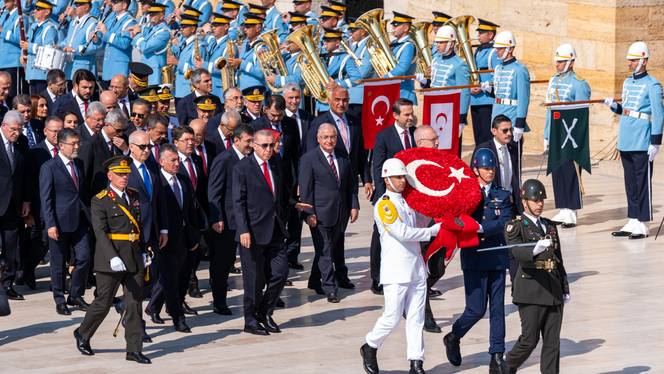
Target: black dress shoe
[(195, 292), (296, 265), (452, 349), (332, 298), (269, 324), (621, 233), (31, 282), (369, 360), (79, 302), (430, 325), (497, 364), (188, 310), (19, 280), (318, 289), (235, 270), (62, 309), (280, 303), (377, 288), (434, 292), (346, 285), (83, 345), (416, 367), (255, 330), (223, 310), (568, 225), (637, 236), (288, 283), (181, 326), (155, 318), (12, 294), (138, 357), (146, 337)]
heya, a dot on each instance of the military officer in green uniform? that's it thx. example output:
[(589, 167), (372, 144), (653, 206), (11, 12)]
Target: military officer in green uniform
[(540, 286), (119, 259)]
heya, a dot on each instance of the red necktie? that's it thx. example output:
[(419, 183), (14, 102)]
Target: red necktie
[(74, 177), (266, 174), (202, 155), (85, 107), (55, 151), (156, 152), (228, 143), (406, 141), (333, 167), (192, 175)]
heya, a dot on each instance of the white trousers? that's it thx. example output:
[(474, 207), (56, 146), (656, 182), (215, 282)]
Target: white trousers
[(408, 297)]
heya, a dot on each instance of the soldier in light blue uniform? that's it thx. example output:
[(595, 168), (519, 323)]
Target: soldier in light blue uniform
[(329, 18), (341, 8), (232, 9), (273, 20), (152, 41), (439, 19), (10, 47), (115, 33), (358, 45), (296, 22), (217, 43), (304, 7), (81, 29), (204, 7), (42, 32), (639, 138), (249, 73), (481, 103), (185, 52), (404, 51), (565, 85), (340, 65)]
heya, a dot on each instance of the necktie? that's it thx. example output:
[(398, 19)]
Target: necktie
[(110, 146), (125, 199), (125, 107), (228, 143), (333, 167), (55, 151), (156, 152), (266, 174), (146, 180), (406, 140), (176, 191), (30, 135), (201, 153), (10, 155), (344, 133), (85, 107), (506, 178), (192, 174), (72, 171)]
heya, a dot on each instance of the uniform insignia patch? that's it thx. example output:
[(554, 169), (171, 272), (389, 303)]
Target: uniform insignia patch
[(387, 212), (510, 228), (101, 194)]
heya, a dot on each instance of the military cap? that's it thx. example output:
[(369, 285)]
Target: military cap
[(485, 25), (533, 189), (139, 73), (220, 19), (301, 1), (296, 17), (43, 4), (439, 18), (338, 6), (164, 92), (257, 9), (332, 34), (252, 19), (326, 11), (230, 5), (186, 20), (118, 165), (156, 8), (191, 11), (149, 94), (82, 2), (255, 93), (205, 102), (400, 18)]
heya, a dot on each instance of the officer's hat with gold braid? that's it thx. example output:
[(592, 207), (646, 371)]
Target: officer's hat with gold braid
[(387, 212), (338, 6), (164, 92), (297, 18), (156, 8), (139, 73), (439, 18), (205, 103), (82, 2), (254, 93), (400, 18), (485, 25), (230, 5), (43, 4), (118, 165), (149, 94), (191, 11), (326, 11)]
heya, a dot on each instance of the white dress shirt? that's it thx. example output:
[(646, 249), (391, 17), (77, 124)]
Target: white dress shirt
[(269, 171)]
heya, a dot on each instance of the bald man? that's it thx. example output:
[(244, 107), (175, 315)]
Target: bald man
[(426, 137), (109, 99), (5, 85), (120, 86)]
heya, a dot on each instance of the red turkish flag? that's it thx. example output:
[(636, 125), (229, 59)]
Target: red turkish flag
[(442, 111), (377, 108)]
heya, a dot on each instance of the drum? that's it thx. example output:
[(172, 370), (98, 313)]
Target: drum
[(49, 57)]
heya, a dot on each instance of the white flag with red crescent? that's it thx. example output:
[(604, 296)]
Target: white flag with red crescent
[(441, 111)]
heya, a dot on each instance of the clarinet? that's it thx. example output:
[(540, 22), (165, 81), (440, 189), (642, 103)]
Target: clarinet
[(107, 12), (21, 27), (64, 21)]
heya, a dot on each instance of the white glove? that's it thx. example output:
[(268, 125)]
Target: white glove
[(652, 151), (117, 264), (147, 260), (567, 298), (486, 86), (461, 127), (541, 246), (434, 229), (420, 78), (546, 144), (610, 102), (480, 230), (517, 134)]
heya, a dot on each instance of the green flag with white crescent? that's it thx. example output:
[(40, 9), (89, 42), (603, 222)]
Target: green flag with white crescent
[(569, 136)]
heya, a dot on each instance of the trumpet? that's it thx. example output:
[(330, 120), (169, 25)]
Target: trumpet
[(196, 56)]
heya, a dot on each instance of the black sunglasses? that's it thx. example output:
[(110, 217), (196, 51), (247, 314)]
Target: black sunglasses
[(138, 115), (143, 147), (505, 131), (266, 145)]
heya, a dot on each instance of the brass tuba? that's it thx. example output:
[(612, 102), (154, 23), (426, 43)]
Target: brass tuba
[(314, 72), (378, 46), (196, 56), (419, 33), (227, 72), (464, 48), (168, 71), (268, 52)]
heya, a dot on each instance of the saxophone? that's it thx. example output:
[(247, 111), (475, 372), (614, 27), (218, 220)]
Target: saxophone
[(227, 72), (196, 57), (168, 71)]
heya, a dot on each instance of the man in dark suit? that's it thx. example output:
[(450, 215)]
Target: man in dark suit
[(202, 85), (220, 137), (14, 201), (140, 108), (222, 215), (253, 98), (5, 86), (65, 204), (108, 142), (389, 142), (94, 121), (327, 183), (259, 200), (293, 96), (80, 96), (56, 87), (203, 148), (158, 134), (120, 259), (177, 206), (32, 129), (506, 150)]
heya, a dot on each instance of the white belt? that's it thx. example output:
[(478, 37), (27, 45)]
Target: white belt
[(506, 101), (637, 115)]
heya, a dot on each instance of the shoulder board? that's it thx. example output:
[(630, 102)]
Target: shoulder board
[(387, 211), (101, 194)]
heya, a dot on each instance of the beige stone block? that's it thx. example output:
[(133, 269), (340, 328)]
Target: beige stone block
[(632, 24), (654, 27), (591, 22), (536, 48), (547, 17)]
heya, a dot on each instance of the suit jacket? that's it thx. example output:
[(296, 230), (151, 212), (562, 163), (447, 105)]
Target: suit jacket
[(93, 154), (85, 134), (257, 209), (67, 103), (181, 222), (514, 158), (332, 199), (37, 129), (12, 181), (214, 144), (358, 155), (49, 103), (151, 224), (37, 156), (388, 143), (186, 109), (200, 192), (290, 141), (305, 120), (63, 204), (220, 189)]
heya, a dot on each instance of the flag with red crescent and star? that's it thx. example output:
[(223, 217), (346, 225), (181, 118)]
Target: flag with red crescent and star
[(441, 110), (377, 108)]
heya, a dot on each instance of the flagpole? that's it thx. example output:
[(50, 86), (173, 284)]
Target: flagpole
[(396, 77), (595, 101), (430, 89)]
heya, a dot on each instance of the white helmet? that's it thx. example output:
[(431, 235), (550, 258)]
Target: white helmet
[(445, 33), (565, 53), (637, 51), (393, 167), (504, 39)]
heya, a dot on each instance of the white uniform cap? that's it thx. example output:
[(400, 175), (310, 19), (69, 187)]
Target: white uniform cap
[(565, 53), (504, 39), (393, 167), (637, 51), (445, 33)]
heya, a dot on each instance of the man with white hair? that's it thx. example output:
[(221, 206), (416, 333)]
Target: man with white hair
[(221, 137), (94, 121)]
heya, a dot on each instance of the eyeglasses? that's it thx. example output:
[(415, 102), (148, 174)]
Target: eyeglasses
[(143, 147), (266, 145), (73, 144), (138, 115), (505, 131)]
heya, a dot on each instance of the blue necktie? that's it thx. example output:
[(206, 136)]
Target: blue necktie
[(146, 180), (30, 135)]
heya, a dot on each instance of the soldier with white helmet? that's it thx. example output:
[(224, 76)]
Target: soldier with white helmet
[(565, 85), (403, 273), (481, 102), (639, 138)]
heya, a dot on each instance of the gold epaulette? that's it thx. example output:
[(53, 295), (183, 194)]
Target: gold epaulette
[(101, 194), (387, 212)]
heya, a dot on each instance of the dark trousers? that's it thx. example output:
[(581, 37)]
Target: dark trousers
[(436, 265), (374, 255), (638, 175), (323, 270), (34, 250), (9, 224), (171, 267), (294, 241), (5, 310), (37, 86), (481, 115), (107, 287), (60, 254), (222, 257), (254, 262), (536, 320), (482, 288), (19, 84), (566, 187), (355, 110)]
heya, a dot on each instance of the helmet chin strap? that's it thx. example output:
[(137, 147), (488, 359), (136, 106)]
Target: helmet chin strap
[(638, 67), (448, 48), (505, 53), (530, 210), (567, 65), (389, 181)]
